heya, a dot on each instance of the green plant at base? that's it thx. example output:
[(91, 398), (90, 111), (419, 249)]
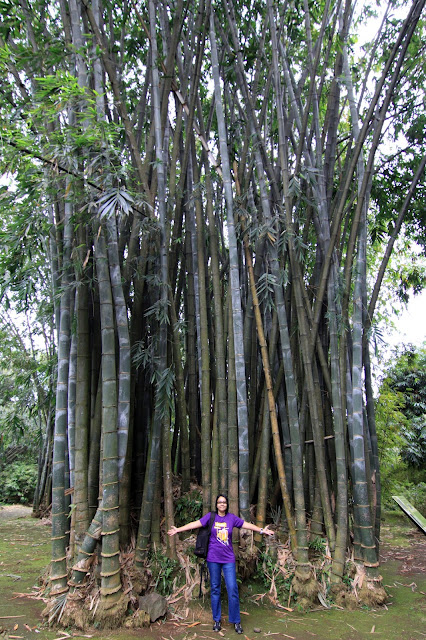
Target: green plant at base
[(189, 507), (165, 573), (347, 580), (270, 573), (317, 544)]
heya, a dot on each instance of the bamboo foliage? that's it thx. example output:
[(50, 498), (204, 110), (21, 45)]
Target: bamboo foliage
[(211, 170)]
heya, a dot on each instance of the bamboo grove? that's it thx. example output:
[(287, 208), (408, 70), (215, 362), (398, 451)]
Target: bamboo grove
[(201, 174)]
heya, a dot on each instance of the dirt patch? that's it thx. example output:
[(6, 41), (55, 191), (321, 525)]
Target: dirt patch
[(412, 558), (14, 511)]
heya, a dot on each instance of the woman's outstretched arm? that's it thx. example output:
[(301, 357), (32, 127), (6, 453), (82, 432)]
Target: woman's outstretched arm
[(252, 527), (186, 527)]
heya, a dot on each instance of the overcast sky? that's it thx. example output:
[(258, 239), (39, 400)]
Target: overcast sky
[(411, 324)]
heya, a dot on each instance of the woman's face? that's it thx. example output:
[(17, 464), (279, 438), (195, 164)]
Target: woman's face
[(221, 505)]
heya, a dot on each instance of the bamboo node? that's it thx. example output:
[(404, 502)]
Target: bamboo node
[(110, 592), (110, 533), (109, 574), (77, 585), (54, 578), (57, 592), (109, 555), (93, 536)]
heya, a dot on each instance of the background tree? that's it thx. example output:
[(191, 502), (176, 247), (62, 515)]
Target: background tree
[(401, 426), (28, 352)]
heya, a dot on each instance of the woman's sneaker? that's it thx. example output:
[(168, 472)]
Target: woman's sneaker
[(216, 626), (238, 628)]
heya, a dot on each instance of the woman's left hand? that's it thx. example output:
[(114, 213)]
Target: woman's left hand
[(172, 531), (267, 531)]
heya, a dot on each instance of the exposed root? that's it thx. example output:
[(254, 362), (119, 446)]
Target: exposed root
[(304, 604), (83, 608), (139, 579), (305, 586), (111, 612), (75, 615), (344, 598), (369, 590), (372, 593), (138, 619), (82, 605)]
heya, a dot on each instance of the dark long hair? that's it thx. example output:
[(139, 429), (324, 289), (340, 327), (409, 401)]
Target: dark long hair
[(222, 495)]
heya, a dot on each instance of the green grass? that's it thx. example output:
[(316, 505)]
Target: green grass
[(24, 554)]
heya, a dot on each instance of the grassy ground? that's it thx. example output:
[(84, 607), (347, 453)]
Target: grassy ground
[(25, 550)]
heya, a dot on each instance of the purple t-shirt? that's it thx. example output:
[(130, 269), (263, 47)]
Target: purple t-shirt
[(220, 545)]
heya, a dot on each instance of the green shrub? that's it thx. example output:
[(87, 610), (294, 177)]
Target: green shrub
[(402, 479), (418, 497), (317, 545), (189, 507), (166, 573), (412, 491), (270, 574), (18, 484)]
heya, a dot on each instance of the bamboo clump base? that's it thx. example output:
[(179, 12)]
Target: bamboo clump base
[(83, 606)]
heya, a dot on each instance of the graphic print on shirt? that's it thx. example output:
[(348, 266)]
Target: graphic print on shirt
[(222, 532)]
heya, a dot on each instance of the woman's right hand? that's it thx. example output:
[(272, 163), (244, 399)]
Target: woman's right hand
[(172, 531)]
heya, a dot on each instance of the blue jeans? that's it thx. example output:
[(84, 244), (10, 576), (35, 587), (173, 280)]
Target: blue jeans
[(229, 573)]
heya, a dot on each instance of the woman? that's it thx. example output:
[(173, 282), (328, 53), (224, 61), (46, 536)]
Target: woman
[(221, 557)]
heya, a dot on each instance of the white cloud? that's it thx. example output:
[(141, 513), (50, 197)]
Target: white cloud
[(410, 326)]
